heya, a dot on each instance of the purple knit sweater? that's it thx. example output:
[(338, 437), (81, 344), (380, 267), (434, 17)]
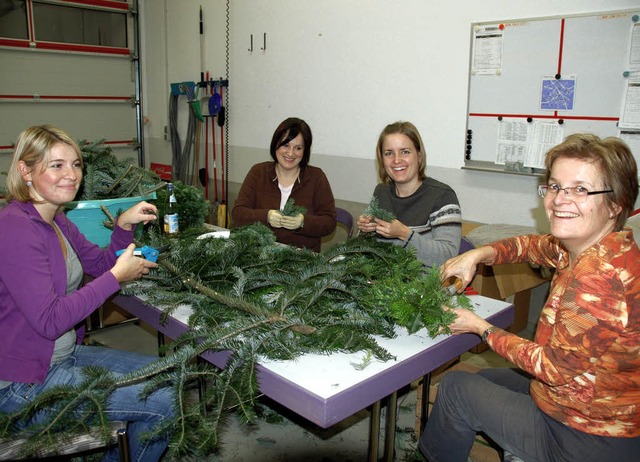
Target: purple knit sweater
[(34, 310)]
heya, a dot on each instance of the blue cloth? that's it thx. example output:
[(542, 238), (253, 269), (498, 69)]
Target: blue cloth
[(123, 404)]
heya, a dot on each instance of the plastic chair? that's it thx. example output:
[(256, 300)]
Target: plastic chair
[(82, 443), (465, 245), (346, 219)]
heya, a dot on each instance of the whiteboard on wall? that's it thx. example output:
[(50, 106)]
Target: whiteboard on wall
[(532, 82)]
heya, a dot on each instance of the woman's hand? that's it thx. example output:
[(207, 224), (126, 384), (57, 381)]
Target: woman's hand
[(464, 266), (128, 267), (142, 212), (293, 222), (388, 229), (274, 217), (392, 229), (366, 224), (467, 321)]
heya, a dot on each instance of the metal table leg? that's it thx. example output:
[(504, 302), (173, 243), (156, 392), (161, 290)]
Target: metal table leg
[(390, 429), (374, 432), (424, 403)]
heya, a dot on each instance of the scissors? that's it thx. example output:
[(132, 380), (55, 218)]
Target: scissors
[(457, 285), (147, 252)]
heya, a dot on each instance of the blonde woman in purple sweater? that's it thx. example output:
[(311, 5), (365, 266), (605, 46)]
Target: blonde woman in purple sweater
[(42, 303)]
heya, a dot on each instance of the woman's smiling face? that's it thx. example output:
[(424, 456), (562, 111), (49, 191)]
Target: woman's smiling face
[(290, 154), (56, 182), (400, 158), (578, 222)]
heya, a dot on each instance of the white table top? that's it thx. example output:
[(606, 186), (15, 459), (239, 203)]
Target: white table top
[(329, 375), (328, 388)]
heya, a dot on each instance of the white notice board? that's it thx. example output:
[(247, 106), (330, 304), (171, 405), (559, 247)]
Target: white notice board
[(534, 81)]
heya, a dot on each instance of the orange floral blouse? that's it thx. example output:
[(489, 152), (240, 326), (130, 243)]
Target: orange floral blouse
[(585, 357)]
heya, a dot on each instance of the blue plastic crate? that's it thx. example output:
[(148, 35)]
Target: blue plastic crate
[(89, 217)]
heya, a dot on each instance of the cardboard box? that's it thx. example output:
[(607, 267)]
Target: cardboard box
[(468, 226), (109, 314), (112, 314), (503, 281)]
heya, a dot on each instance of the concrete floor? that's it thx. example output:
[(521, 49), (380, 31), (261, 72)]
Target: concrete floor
[(283, 436)]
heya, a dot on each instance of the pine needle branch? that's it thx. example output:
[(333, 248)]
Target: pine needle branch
[(374, 210), (291, 210)]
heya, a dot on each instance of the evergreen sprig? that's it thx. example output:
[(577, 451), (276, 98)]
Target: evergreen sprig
[(191, 205), (291, 210), (417, 303), (108, 177), (374, 210)]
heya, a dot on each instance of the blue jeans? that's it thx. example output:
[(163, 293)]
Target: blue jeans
[(124, 403), (497, 403)]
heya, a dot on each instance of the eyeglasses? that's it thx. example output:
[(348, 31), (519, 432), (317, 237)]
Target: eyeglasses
[(576, 193)]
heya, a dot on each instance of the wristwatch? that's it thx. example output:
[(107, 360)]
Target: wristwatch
[(486, 333)]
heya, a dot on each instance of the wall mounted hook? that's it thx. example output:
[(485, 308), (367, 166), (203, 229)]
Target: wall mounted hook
[(264, 41), (251, 46)]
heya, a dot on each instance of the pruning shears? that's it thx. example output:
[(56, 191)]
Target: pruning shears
[(147, 252), (451, 289)]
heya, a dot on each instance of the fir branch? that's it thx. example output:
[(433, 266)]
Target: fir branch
[(119, 179), (108, 177), (364, 363), (418, 303), (291, 210), (374, 210), (132, 186)]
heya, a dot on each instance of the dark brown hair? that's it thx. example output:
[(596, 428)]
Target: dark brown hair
[(288, 130)]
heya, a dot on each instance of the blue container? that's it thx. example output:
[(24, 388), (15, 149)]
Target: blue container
[(89, 217)]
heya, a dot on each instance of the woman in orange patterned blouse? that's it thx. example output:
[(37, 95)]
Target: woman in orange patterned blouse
[(576, 393)]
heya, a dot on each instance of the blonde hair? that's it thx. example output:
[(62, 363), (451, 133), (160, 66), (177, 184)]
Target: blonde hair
[(411, 132), (33, 147)]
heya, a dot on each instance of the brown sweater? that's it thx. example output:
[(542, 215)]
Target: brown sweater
[(260, 193)]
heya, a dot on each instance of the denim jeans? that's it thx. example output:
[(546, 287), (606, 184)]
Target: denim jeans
[(123, 404), (497, 403)]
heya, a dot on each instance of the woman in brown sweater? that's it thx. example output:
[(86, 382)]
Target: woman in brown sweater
[(269, 185)]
